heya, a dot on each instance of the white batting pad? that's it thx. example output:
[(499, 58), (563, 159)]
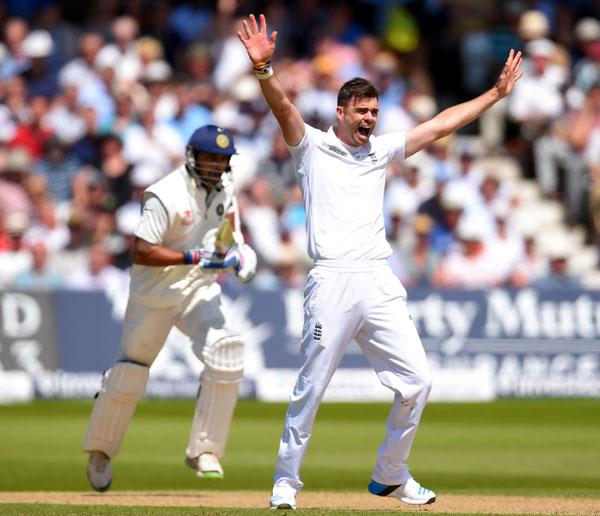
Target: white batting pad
[(212, 417), (224, 361), (122, 387), (224, 358)]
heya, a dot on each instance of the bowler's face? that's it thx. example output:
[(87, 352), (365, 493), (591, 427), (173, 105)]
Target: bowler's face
[(357, 120)]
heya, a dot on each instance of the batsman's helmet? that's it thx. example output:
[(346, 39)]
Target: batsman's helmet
[(208, 139)]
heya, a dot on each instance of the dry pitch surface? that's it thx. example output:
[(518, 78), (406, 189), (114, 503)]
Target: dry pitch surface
[(321, 500)]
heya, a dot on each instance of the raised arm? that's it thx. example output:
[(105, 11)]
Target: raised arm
[(460, 115), (260, 48)]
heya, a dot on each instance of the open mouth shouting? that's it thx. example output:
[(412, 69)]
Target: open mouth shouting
[(364, 131)]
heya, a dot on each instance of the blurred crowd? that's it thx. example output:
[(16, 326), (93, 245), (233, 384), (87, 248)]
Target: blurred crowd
[(98, 100)]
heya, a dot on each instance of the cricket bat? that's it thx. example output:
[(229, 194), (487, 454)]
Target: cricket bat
[(224, 240)]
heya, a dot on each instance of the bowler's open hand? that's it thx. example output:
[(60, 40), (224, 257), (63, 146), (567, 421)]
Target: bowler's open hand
[(259, 45), (510, 74)]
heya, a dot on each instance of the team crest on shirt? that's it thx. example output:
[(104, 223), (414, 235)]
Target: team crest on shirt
[(187, 217), (220, 210)]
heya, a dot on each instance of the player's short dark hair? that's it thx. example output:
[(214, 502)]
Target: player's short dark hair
[(357, 88)]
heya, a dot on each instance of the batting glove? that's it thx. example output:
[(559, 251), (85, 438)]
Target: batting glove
[(210, 261), (245, 262)]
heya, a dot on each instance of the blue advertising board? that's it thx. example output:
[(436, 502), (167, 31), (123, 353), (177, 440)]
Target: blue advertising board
[(480, 344)]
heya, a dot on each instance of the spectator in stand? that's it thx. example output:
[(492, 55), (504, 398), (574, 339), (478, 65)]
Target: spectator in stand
[(536, 103), (157, 80), (13, 174), (558, 276), (125, 115), (534, 25), (567, 149), (506, 246), (587, 70), (317, 102), (469, 174), (15, 258), (469, 265), (82, 70), (432, 206), (262, 222), (99, 274), (39, 276), (387, 78), (59, 169), (41, 79), (405, 186), (31, 131), (86, 149), (47, 228), (278, 168), (491, 191), (531, 267), (116, 169), (442, 236), (15, 31), (65, 116), (64, 33), (198, 64), (418, 261), (122, 53), (189, 114), (154, 141)]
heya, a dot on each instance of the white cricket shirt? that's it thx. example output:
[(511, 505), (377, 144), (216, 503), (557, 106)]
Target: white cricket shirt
[(178, 215), (343, 190)]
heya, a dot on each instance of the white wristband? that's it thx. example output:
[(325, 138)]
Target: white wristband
[(263, 70), (266, 75)]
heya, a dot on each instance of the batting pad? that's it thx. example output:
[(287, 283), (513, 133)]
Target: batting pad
[(224, 361), (122, 387)]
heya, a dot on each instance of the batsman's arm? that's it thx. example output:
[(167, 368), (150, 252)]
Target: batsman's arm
[(460, 115), (154, 255), (260, 48)]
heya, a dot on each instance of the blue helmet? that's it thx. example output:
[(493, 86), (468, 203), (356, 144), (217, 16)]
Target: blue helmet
[(209, 139), (212, 139)]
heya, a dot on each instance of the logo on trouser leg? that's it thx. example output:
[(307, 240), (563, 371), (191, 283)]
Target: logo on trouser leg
[(317, 331)]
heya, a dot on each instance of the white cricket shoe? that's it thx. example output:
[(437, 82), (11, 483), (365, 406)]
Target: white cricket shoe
[(207, 465), (282, 502), (410, 492), (99, 471)]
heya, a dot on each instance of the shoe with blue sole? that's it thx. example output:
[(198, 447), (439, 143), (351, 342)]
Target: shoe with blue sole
[(410, 492)]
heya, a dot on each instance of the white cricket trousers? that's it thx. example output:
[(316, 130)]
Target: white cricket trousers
[(364, 301)]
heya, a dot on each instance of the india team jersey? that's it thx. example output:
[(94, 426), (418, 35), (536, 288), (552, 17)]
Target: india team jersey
[(343, 190), (180, 216)]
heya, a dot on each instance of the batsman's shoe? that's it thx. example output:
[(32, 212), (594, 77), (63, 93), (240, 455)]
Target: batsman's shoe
[(411, 492), (207, 465), (282, 502), (99, 471)]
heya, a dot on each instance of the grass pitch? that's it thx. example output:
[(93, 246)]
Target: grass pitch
[(509, 447)]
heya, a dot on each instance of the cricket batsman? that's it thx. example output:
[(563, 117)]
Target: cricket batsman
[(188, 233)]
